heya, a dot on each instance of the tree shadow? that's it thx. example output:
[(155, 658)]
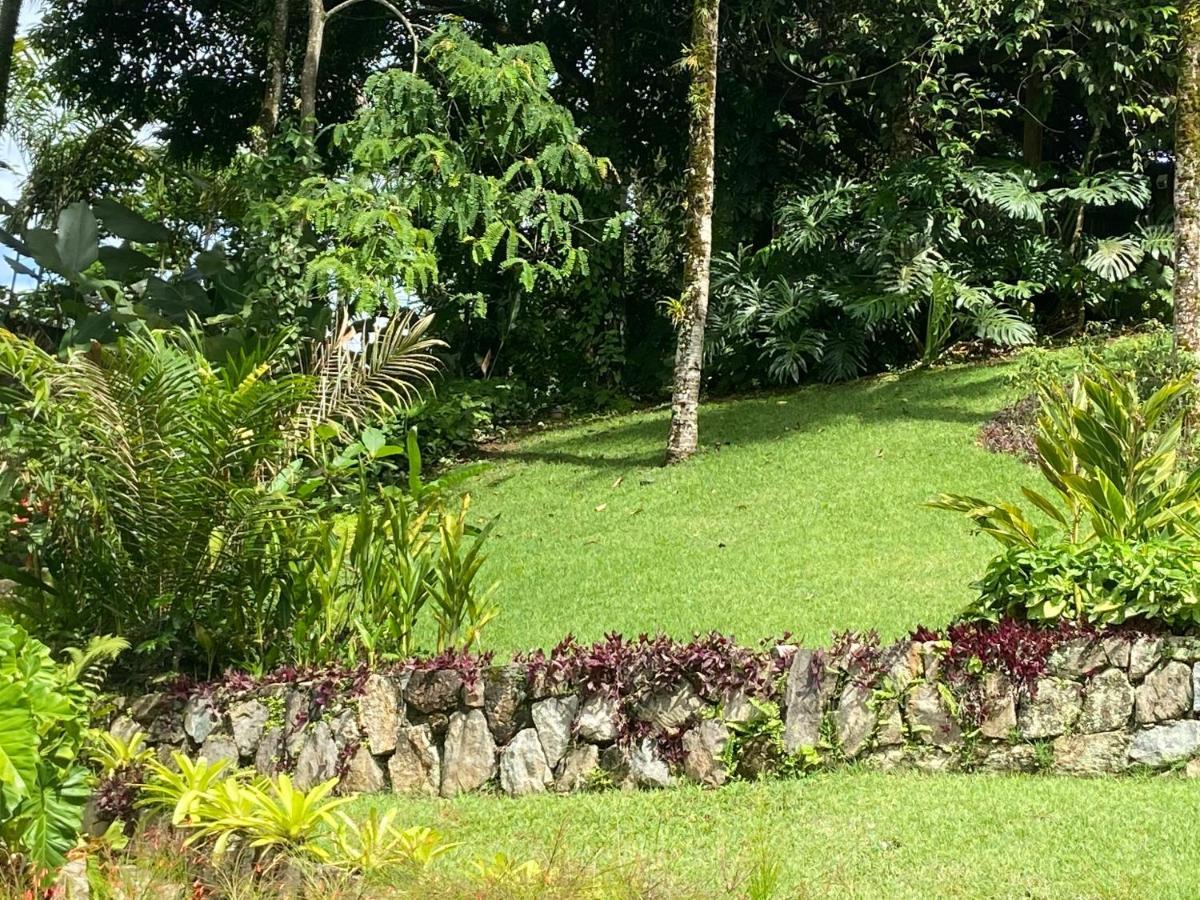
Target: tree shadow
[(945, 396)]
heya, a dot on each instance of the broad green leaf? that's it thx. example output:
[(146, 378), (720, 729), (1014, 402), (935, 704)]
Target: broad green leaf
[(78, 242), (127, 224)]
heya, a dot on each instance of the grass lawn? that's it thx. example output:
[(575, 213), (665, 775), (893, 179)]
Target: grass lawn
[(849, 834), (803, 513)]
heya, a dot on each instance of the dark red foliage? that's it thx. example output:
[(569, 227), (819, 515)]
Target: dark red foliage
[(621, 668), (117, 793), (1015, 648), (470, 666), (1013, 430)]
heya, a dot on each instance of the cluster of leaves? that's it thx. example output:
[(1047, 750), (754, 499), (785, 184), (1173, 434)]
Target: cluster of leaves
[(195, 505), (1122, 539), (271, 819), (44, 713), (1015, 648), (621, 668), (1149, 357), (930, 251)]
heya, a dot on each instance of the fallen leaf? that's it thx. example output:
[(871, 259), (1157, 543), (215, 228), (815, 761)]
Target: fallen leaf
[(617, 483), (602, 507)]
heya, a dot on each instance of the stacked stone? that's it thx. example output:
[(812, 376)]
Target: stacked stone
[(1102, 705)]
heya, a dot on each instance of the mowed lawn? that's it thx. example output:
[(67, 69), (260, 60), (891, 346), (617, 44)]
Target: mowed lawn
[(803, 513), (845, 834)]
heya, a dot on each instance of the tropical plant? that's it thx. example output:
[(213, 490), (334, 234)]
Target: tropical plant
[(1122, 528), (376, 844), (180, 789), (44, 710), (166, 485)]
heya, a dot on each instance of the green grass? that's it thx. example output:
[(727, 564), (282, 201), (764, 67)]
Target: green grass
[(852, 834), (803, 513)]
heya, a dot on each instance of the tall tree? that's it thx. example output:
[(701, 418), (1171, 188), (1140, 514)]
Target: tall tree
[(700, 183), (10, 15), (276, 65), (1187, 181)]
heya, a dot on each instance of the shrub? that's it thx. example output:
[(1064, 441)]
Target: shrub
[(1122, 535), (166, 496), (44, 708)]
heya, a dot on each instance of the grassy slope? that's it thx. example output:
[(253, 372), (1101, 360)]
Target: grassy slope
[(808, 518), (852, 834)]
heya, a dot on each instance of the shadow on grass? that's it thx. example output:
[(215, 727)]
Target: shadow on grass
[(928, 396)]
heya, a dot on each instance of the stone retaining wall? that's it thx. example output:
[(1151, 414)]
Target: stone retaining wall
[(1098, 705)]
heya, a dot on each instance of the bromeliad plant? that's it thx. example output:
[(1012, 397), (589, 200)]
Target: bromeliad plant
[(1123, 534)]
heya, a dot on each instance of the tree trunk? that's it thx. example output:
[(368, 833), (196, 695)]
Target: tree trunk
[(276, 61), (312, 65), (10, 16), (689, 351), (1034, 131), (1187, 182)]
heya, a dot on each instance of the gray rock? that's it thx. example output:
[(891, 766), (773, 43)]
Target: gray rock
[(200, 718), (928, 718), (317, 760), (703, 749), (1192, 769), (891, 725), (344, 727), (670, 710), (1116, 649), (1091, 754), (552, 718), (124, 728), (903, 663), (1165, 744), (1076, 657), (999, 706), (614, 761), (646, 768), (597, 719), (149, 707), (434, 691), (1165, 694), (931, 760), (363, 774), (469, 754), (737, 709), (504, 695), (379, 714), (473, 693), (297, 708), (266, 757), (523, 768), (577, 768), (217, 747), (415, 767), (854, 720), (1052, 710), (1196, 688), (1183, 649), (72, 883), (804, 702), (1009, 758), (247, 721), (1107, 703), (1144, 654)]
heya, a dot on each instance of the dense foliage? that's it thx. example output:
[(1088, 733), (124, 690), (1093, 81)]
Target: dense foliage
[(44, 715), (1123, 515), (193, 506)]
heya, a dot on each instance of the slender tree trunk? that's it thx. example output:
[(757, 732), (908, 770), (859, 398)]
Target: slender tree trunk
[(1034, 131), (1187, 182), (1072, 314), (689, 351), (276, 62), (312, 65), (10, 16)]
